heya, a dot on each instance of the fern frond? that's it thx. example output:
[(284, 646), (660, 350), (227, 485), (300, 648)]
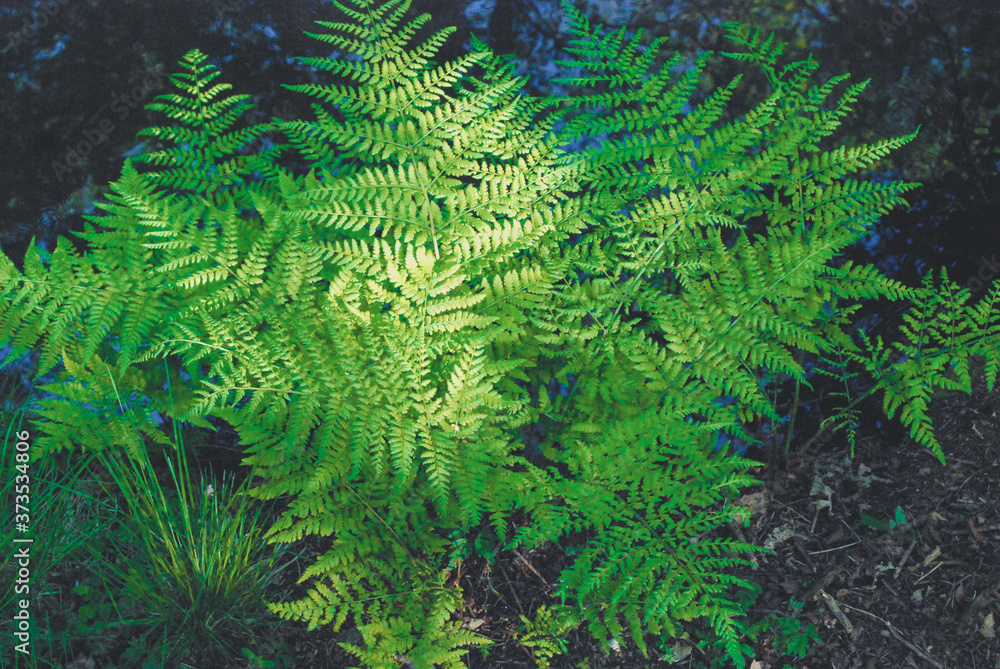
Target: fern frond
[(202, 154)]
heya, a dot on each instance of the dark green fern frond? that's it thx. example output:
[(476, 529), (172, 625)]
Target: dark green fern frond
[(762, 52), (939, 334)]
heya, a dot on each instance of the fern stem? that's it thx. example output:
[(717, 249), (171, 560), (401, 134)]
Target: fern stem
[(799, 356)]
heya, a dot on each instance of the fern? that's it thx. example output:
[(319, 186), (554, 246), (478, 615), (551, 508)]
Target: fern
[(203, 155), (378, 328)]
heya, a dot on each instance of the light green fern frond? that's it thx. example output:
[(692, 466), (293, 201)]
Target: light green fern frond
[(202, 154)]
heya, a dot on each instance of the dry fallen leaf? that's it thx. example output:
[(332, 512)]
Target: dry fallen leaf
[(777, 536), (754, 502), (820, 488), (987, 629), (677, 653)]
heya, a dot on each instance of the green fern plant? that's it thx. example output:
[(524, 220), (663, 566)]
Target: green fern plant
[(377, 329), (545, 634)]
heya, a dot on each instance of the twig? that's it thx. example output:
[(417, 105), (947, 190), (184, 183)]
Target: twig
[(830, 550), (511, 586), (525, 562), (951, 595), (831, 604), (975, 533), (906, 556), (813, 594), (935, 554), (803, 554), (899, 637), (936, 567)]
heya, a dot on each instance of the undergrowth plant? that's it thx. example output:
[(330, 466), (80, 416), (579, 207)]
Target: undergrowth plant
[(182, 573), (377, 302), (194, 585), (43, 502)]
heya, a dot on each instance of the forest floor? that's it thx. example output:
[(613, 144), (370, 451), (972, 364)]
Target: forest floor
[(921, 593), (888, 559)]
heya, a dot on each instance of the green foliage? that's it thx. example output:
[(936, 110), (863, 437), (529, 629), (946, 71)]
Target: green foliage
[(200, 153), (545, 633), (786, 634), (62, 520), (377, 328), (791, 636), (196, 567), (881, 524), (283, 657)]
